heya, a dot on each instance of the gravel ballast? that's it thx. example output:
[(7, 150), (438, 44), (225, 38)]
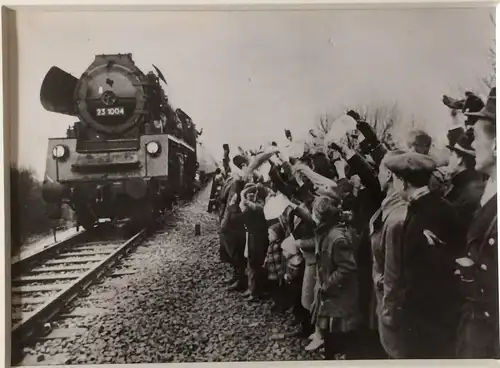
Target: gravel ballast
[(175, 308)]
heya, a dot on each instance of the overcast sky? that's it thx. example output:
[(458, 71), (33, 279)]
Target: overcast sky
[(246, 76)]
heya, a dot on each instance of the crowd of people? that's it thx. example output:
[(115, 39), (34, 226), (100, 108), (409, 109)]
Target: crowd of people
[(362, 239)]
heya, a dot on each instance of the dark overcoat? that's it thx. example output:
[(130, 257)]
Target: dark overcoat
[(258, 240), (478, 331), (363, 207), (428, 299), (232, 227), (464, 195)]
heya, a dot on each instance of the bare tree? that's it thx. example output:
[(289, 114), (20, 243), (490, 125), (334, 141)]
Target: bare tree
[(384, 118), (490, 80), (324, 123)]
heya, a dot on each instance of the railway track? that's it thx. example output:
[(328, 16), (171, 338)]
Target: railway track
[(47, 285)]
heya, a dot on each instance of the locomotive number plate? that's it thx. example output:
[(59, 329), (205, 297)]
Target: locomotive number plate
[(110, 111)]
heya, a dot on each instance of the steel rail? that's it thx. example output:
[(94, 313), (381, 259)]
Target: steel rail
[(28, 327), (21, 264)]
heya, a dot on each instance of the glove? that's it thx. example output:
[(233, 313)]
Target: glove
[(367, 132), (472, 103), (453, 103), (353, 114)]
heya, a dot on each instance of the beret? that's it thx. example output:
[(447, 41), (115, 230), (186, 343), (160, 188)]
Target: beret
[(410, 162)]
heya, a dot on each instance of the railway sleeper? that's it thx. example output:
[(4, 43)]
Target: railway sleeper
[(37, 288), (106, 248), (79, 260), (82, 268), (83, 254), (42, 278), (16, 301)]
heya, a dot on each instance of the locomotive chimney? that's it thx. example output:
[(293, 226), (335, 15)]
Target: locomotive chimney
[(56, 93)]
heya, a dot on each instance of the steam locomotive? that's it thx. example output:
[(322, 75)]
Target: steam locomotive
[(129, 155)]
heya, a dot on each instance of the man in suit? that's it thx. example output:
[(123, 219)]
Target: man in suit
[(426, 308), (466, 184), (478, 270)]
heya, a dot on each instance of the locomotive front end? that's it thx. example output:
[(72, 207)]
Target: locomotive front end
[(117, 159)]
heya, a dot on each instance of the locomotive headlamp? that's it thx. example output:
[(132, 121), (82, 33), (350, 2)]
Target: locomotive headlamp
[(153, 148), (59, 152)]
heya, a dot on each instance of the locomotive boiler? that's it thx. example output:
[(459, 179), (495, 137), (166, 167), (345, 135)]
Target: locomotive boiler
[(128, 155)]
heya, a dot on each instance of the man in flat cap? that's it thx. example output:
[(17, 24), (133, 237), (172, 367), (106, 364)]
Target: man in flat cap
[(478, 331), (427, 306)]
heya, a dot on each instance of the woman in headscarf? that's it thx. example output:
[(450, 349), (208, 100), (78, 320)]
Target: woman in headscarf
[(336, 302)]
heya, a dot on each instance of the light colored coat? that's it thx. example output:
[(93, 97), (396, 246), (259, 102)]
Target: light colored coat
[(386, 229)]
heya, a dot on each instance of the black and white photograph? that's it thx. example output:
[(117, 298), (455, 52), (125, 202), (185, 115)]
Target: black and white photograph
[(252, 185)]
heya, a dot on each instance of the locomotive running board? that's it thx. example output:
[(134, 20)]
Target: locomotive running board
[(107, 162), (108, 166)]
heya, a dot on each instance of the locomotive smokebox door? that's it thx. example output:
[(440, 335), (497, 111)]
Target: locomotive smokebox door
[(110, 94)]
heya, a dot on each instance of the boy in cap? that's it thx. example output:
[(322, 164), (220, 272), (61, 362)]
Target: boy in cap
[(427, 310), (478, 331)]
